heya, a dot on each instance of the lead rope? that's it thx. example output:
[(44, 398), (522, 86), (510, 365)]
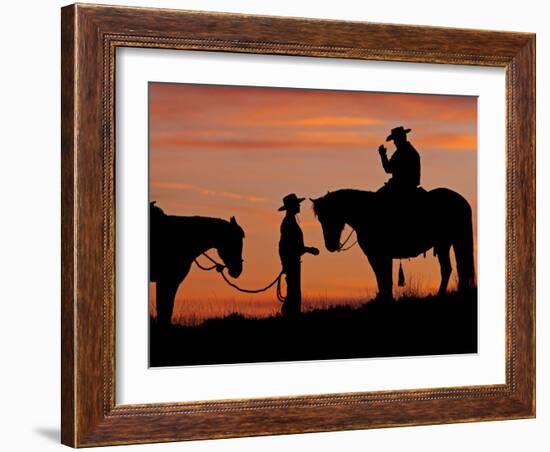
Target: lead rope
[(220, 268)]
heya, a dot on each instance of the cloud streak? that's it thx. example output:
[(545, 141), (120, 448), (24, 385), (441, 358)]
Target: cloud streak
[(203, 191), (330, 121), (219, 117)]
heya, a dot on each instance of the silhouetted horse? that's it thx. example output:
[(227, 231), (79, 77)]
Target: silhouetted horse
[(440, 218), (175, 242)]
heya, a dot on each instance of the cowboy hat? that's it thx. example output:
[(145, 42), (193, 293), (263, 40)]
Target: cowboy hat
[(290, 200), (396, 132)]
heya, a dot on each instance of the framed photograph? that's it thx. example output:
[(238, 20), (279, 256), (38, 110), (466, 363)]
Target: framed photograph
[(281, 225)]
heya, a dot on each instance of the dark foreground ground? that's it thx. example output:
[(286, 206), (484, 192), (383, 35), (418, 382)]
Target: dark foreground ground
[(408, 327)]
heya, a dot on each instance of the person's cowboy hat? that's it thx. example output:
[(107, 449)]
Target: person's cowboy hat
[(290, 201), (398, 131)]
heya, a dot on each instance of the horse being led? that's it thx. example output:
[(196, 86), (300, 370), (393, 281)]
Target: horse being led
[(437, 219), (175, 242)]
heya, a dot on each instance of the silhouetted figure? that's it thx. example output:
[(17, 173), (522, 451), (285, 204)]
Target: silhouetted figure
[(446, 221), (291, 249), (404, 164), (175, 242)]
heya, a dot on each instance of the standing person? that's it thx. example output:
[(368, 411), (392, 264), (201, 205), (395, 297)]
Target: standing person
[(404, 164), (291, 249)]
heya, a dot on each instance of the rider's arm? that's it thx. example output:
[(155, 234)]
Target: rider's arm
[(311, 250), (386, 164)]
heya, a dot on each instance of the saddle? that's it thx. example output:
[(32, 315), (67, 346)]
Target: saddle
[(403, 212), (399, 195)]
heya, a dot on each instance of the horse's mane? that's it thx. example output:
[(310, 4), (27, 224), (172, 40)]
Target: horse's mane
[(220, 223), (342, 198), (157, 215)]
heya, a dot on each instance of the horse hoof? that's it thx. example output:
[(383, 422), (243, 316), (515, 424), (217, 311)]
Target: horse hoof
[(383, 298)]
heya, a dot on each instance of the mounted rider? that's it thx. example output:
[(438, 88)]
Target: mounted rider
[(404, 164), (401, 198)]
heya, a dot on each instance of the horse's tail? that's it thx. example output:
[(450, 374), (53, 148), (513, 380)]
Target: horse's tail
[(464, 252)]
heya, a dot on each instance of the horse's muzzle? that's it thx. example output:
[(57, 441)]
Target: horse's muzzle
[(234, 272)]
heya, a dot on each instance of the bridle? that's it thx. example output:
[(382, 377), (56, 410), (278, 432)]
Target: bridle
[(342, 246)]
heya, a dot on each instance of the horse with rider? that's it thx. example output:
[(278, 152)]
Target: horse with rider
[(401, 219)]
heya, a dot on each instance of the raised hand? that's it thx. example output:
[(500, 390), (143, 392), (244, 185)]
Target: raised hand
[(382, 150)]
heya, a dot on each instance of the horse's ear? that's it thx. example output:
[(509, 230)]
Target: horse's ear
[(313, 200), (234, 223)]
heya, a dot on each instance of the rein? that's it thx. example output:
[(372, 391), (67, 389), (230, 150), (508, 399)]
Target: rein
[(342, 247), (221, 267)]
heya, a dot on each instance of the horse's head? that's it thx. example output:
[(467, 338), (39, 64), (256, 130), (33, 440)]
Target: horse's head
[(326, 209), (230, 249)]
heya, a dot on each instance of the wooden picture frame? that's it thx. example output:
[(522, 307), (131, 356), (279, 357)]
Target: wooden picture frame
[(90, 36)]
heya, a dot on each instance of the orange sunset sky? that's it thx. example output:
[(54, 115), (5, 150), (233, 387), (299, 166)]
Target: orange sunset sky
[(225, 151)]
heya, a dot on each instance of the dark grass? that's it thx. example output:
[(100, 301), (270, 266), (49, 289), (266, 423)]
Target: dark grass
[(409, 327)]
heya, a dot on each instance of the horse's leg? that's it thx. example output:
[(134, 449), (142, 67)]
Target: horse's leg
[(166, 293), (382, 266), (161, 301), (445, 266), (386, 269)]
